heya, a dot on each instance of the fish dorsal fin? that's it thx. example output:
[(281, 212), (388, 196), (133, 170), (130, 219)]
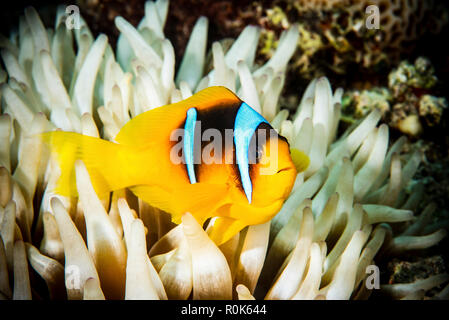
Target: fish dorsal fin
[(246, 123), (210, 97), (159, 123)]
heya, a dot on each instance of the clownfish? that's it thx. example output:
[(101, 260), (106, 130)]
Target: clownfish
[(211, 155)]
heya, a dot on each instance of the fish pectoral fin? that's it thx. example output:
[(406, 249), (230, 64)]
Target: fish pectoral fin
[(155, 196), (224, 229), (200, 199), (300, 159)]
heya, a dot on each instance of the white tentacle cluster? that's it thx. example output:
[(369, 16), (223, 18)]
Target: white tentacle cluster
[(332, 227)]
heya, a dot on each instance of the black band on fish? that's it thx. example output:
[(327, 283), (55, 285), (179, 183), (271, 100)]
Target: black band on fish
[(189, 138), (246, 123)]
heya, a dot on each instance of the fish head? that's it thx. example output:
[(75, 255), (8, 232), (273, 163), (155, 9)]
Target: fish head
[(273, 172)]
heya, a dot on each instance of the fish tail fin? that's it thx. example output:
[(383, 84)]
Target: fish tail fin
[(102, 159)]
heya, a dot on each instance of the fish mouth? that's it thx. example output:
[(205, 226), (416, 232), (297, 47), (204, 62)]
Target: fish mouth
[(284, 170)]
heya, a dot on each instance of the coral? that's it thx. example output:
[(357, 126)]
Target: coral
[(406, 271), (409, 77), (431, 109), (227, 18), (399, 19), (406, 104), (337, 39), (352, 206), (433, 179), (360, 103)]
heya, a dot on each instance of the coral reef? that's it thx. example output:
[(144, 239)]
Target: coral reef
[(406, 104), (410, 106), (335, 37), (405, 271), (227, 18), (355, 205), (334, 40)]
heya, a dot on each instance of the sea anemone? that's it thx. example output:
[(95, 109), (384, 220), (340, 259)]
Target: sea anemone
[(353, 204)]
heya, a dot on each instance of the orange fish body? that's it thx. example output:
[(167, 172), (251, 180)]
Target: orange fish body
[(190, 157)]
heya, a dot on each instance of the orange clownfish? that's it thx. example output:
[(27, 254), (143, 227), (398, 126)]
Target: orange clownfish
[(211, 155)]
